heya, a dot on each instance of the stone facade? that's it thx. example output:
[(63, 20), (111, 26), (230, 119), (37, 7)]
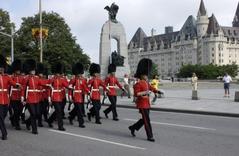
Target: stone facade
[(199, 41)]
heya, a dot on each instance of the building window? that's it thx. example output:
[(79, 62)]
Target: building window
[(212, 49), (212, 55)]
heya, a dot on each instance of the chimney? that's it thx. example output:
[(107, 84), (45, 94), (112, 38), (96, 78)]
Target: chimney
[(153, 32), (168, 29)]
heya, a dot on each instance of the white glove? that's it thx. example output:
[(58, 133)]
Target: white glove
[(22, 99), (49, 100)]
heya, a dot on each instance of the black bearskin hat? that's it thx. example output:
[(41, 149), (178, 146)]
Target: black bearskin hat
[(29, 65), (3, 62), (94, 68), (57, 68), (111, 68), (144, 67), (40, 68), (78, 68), (16, 65)]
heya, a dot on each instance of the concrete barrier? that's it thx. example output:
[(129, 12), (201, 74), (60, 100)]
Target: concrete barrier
[(195, 95), (236, 96)]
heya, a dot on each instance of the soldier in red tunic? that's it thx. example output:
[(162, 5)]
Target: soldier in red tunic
[(15, 93), (43, 96), (79, 86), (142, 91), (5, 83), (94, 84), (111, 83), (30, 93), (56, 96)]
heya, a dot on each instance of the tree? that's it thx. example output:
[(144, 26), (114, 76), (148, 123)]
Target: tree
[(154, 71), (208, 71), (5, 26), (60, 45)]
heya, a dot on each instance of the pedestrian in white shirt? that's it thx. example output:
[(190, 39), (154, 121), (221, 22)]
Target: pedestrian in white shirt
[(226, 80)]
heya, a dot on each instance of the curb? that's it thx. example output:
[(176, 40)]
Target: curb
[(183, 111)]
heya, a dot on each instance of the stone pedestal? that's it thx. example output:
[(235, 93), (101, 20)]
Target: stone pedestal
[(195, 95), (115, 31), (236, 99)]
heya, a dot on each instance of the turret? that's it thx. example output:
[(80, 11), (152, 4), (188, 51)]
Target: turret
[(202, 20)]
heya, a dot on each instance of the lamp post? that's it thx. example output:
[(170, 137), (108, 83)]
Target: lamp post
[(12, 42), (40, 13)]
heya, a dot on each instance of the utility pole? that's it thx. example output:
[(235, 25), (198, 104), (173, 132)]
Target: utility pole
[(40, 13)]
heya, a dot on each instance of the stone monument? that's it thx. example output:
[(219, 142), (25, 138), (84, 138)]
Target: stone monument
[(113, 29)]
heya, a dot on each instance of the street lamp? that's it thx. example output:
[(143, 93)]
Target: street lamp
[(12, 42), (40, 13)]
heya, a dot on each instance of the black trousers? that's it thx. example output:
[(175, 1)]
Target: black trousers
[(3, 114), (63, 107), (144, 121), (77, 111), (95, 110), (112, 107), (17, 110), (34, 110), (43, 110), (57, 114)]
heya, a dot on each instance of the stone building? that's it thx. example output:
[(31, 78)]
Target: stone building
[(199, 41)]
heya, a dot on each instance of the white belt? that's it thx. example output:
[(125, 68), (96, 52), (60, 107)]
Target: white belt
[(95, 90), (15, 89), (77, 91), (3, 90), (112, 86), (33, 90), (57, 91)]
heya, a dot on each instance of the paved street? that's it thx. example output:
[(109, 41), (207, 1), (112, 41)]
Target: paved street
[(175, 134)]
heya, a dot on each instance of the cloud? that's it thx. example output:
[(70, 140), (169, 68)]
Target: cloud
[(86, 17)]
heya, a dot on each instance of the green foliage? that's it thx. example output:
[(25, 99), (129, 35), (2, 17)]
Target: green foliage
[(208, 71), (154, 71), (60, 45), (5, 26)]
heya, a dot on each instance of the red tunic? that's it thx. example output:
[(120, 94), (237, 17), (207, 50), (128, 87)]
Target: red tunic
[(112, 82), (5, 83), (141, 86), (43, 90), (31, 86), (15, 93), (80, 87), (94, 85), (58, 85)]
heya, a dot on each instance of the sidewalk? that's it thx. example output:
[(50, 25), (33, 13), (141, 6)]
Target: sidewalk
[(178, 99)]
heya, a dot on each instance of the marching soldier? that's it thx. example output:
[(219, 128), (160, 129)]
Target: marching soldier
[(142, 91), (56, 96), (112, 82), (5, 83), (15, 93), (30, 94), (94, 84), (79, 85), (43, 97)]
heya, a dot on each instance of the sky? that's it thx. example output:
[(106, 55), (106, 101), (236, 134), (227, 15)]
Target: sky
[(86, 17)]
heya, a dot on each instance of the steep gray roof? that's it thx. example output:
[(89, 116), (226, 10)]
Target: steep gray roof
[(213, 26), (138, 38), (202, 10), (231, 32), (189, 27), (235, 22)]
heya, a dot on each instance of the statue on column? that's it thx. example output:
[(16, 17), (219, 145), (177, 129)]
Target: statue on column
[(112, 11)]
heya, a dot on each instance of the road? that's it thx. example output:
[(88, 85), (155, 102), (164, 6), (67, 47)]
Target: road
[(175, 135)]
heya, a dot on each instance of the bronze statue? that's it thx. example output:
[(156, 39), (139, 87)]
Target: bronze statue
[(117, 59), (112, 11)]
